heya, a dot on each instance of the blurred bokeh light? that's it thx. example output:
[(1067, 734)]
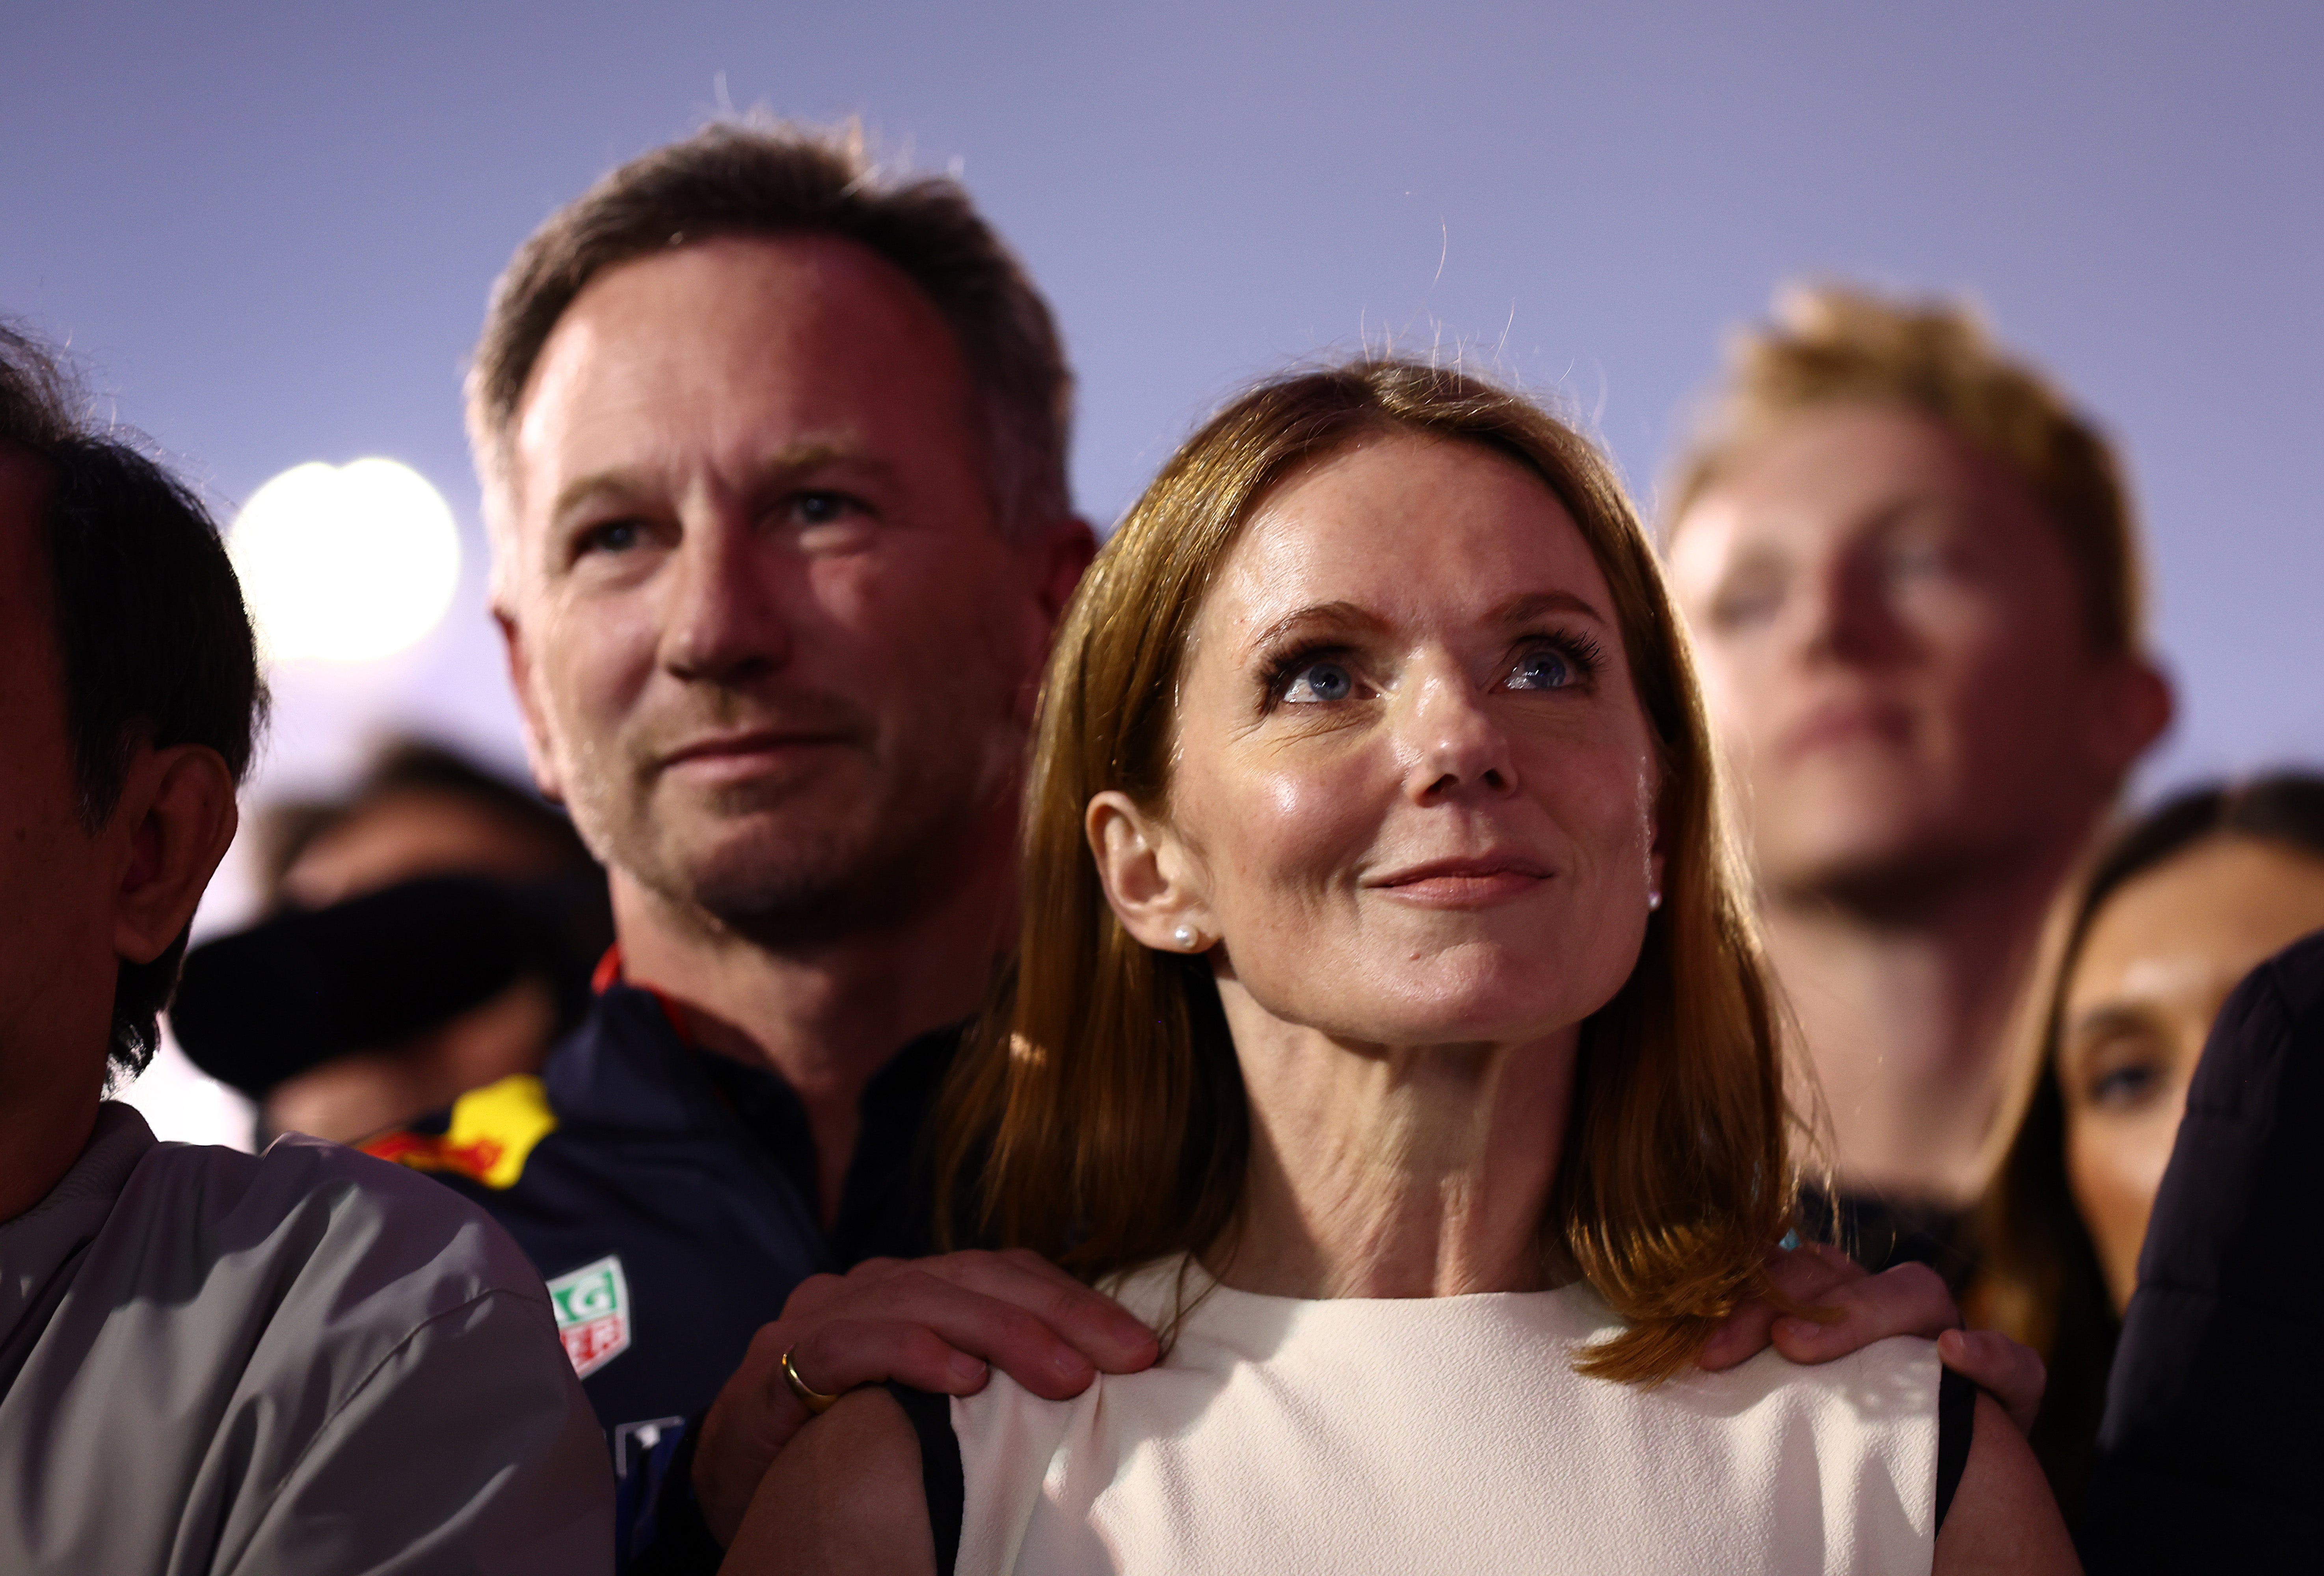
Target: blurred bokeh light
[(345, 563)]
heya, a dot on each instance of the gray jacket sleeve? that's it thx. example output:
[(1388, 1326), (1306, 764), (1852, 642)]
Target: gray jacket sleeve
[(471, 1447), (304, 1363)]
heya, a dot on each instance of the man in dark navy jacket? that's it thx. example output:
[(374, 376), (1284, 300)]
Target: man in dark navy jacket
[(669, 1193), (774, 454), (773, 445)]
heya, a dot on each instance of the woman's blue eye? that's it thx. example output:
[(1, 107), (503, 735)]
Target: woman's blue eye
[(2126, 1085), (1319, 681), (1542, 670)]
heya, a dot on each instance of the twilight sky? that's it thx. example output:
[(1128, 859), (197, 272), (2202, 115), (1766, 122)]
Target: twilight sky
[(268, 230)]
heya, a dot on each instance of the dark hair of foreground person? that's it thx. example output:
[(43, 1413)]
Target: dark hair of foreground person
[(149, 624)]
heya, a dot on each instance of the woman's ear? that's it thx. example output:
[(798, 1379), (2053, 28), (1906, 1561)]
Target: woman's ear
[(1147, 878), (175, 819)]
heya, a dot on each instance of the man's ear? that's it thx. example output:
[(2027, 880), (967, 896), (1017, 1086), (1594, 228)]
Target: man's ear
[(520, 671), (1057, 555), (1149, 880), (174, 822), (2136, 706), (1061, 552)]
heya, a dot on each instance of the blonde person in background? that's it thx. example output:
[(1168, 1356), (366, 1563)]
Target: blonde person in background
[(1912, 574), (1388, 1029)]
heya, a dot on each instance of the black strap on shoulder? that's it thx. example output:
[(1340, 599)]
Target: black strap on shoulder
[(1956, 1422), (940, 1470)]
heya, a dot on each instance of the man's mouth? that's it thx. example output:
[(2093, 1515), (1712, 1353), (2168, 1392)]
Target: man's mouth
[(753, 750)]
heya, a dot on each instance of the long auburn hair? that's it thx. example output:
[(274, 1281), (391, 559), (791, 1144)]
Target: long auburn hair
[(1099, 1099)]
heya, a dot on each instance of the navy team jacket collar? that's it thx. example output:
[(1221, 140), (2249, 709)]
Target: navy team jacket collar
[(627, 1067)]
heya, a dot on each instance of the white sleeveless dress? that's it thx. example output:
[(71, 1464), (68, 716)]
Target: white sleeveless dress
[(1444, 1434)]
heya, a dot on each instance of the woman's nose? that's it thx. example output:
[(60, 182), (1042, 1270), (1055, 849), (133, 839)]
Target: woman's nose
[(724, 623), (1454, 743)]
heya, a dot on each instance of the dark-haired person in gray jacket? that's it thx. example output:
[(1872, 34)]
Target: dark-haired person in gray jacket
[(304, 1361)]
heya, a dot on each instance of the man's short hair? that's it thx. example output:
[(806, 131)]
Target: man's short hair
[(750, 178), (153, 642), (1837, 345)]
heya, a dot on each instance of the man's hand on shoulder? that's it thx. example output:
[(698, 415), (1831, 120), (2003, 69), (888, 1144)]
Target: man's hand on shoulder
[(937, 1324), (1910, 1299)]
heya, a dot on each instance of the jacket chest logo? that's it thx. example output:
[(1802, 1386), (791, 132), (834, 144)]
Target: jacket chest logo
[(593, 1314)]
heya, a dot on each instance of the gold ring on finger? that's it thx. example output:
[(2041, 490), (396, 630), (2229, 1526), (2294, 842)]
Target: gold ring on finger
[(813, 1399)]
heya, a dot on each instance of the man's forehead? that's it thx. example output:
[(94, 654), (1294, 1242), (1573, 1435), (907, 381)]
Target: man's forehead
[(740, 344), (1826, 466), (1821, 497)]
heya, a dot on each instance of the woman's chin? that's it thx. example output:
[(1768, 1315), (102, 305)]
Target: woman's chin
[(1461, 1023)]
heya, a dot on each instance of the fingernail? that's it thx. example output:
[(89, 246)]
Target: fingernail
[(1070, 1364), (967, 1370)]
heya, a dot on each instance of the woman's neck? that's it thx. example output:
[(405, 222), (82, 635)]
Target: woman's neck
[(1380, 1171)]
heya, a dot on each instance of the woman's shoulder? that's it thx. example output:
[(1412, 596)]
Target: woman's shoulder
[(1280, 1408), (1160, 1290), (1893, 1381)]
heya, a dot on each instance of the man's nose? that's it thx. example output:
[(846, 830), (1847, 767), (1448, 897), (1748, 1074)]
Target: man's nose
[(725, 621), (1846, 615), (1452, 741)]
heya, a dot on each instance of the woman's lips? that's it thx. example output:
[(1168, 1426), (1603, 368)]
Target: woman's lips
[(1464, 883)]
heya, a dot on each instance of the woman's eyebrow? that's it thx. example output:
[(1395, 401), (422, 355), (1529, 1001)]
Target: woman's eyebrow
[(1338, 616), (1533, 604), (2106, 1018)]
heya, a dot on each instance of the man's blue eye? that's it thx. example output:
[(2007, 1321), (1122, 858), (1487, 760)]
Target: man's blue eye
[(1319, 681), (1732, 610), (615, 536), (1543, 669), (820, 508), (1912, 560)]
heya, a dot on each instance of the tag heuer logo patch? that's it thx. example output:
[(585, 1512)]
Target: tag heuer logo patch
[(593, 1313)]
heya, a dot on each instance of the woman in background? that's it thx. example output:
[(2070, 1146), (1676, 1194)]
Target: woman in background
[(2182, 905), (1391, 1031)]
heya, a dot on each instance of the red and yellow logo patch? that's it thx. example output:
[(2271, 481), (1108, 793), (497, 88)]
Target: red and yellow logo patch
[(491, 1133)]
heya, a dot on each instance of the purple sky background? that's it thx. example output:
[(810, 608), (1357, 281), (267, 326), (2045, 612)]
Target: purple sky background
[(268, 231)]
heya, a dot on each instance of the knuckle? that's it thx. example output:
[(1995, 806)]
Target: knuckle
[(917, 1280), (1917, 1278), (813, 1290), (1020, 1326)]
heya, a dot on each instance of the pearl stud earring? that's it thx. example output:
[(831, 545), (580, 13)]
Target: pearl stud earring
[(1185, 936), (1654, 898)]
